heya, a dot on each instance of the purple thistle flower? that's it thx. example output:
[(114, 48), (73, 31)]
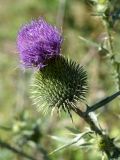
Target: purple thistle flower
[(37, 42)]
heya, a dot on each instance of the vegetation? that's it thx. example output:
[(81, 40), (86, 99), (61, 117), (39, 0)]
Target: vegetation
[(91, 38)]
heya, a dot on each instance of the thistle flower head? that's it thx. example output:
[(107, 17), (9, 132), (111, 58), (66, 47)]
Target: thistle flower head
[(37, 42), (59, 85)]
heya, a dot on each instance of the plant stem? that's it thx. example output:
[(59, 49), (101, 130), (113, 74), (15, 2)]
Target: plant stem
[(102, 103), (109, 39), (111, 150), (88, 119), (111, 54), (9, 147)]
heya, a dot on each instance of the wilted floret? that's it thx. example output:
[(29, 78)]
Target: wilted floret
[(37, 42)]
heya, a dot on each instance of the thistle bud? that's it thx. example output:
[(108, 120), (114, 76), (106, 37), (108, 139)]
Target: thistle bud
[(59, 85)]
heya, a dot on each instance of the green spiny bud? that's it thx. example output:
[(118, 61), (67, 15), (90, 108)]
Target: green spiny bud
[(59, 85)]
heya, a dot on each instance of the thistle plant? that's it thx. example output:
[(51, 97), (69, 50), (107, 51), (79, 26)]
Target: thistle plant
[(109, 13), (58, 83)]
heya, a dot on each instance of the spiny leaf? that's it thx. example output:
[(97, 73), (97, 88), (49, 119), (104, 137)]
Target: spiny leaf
[(78, 138)]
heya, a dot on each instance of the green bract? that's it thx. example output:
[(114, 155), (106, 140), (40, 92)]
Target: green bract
[(59, 85)]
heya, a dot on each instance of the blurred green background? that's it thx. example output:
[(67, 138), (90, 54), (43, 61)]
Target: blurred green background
[(18, 117)]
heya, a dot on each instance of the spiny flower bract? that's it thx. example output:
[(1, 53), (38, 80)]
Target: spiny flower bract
[(59, 85), (37, 42)]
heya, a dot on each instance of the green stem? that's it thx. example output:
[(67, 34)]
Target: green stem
[(21, 153), (110, 43), (111, 150), (102, 103), (89, 120), (111, 53)]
